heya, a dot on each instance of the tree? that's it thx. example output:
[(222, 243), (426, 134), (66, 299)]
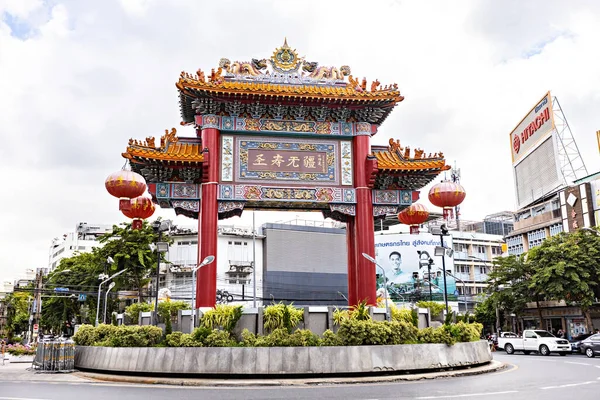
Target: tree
[(17, 318), (510, 285), (568, 268), (130, 249)]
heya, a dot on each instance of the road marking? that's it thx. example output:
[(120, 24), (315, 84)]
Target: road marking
[(576, 363), (468, 395), (568, 385), (17, 398)]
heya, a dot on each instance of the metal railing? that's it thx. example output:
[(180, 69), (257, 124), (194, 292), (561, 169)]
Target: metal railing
[(55, 355)]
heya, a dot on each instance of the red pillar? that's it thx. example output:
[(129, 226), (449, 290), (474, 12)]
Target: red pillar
[(206, 282), (351, 247), (364, 225)]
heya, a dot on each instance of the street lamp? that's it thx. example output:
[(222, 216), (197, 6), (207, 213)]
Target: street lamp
[(159, 227), (112, 285), (441, 232), (387, 309), (427, 261), (206, 261), (100, 291), (464, 287)]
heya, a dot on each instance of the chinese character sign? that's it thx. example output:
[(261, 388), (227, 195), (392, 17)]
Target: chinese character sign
[(287, 161)]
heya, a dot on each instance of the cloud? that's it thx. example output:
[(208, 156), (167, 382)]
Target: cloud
[(80, 78)]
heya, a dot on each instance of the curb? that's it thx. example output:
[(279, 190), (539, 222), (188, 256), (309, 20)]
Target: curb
[(492, 366)]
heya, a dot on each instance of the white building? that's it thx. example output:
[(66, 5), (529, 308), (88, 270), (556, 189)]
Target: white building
[(82, 240), (235, 262), (473, 255)]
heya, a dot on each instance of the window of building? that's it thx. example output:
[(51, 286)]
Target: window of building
[(496, 250), (483, 270)]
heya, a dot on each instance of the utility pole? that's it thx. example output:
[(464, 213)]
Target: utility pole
[(37, 304)]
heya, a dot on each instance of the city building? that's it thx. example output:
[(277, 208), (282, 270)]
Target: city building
[(82, 240), (235, 271)]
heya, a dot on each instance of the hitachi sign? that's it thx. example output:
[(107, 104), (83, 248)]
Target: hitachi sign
[(536, 124)]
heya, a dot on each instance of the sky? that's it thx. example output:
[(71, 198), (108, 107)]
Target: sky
[(78, 78)]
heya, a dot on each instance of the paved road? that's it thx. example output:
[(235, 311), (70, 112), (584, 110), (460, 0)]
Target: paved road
[(530, 378)]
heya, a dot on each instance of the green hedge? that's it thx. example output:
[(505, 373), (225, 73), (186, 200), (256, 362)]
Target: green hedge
[(118, 336), (351, 333)]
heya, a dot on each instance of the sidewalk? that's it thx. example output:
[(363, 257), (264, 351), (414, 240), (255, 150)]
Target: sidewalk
[(24, 372)]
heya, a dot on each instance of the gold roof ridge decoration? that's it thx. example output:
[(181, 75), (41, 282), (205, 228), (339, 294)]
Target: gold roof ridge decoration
[(290, 76), (398, 158), (170, 149)]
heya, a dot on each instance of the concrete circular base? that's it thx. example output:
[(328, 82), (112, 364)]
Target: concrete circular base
[(278, 361)]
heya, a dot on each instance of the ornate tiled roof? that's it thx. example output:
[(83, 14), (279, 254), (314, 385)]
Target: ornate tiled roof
[(396, 169), (290, 80), (398, 158), (170, 149)]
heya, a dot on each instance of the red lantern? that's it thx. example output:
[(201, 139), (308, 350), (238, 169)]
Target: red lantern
[(125, 185), (140, 208), (414, 216), (447, 195)]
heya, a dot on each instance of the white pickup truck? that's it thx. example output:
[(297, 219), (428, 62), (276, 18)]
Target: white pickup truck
[(535, 341)]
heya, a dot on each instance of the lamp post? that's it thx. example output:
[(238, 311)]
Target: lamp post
[(206, 261), (159, 227), (441, 232), (464, 287), (112, 285), (427, 261), (387, 309), (100, 291)]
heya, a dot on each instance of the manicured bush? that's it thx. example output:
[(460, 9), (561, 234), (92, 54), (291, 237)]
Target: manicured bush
[(280, 338), (463, 332), (86, 335), (20, 350), (330, 339), (218, 338), (401, 314), (436, 335), (118, 336), (357, 332)]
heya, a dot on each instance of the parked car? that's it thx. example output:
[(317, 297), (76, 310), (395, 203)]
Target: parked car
[(535, 341), (505, 335), (591, 346), (576, 342)]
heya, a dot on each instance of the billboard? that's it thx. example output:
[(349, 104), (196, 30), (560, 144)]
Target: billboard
[(398, 256), (534, 154), (536, 126)]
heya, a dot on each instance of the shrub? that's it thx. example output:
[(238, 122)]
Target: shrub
[(20, 350), (463, 332), (401, 314), (174, 339), (340, 315), (330, 339), (134, 310), (357, 332), (434, 307), (86, 335), (223, 316), (200, 333), (436, 335), (219, 338), (113, 319), (278, 316)]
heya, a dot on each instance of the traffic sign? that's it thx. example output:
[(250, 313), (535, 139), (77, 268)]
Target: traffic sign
[(35, 328), (61, 289), (82, 297)]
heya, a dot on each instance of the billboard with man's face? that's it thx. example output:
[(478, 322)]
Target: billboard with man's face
[(398, 255)]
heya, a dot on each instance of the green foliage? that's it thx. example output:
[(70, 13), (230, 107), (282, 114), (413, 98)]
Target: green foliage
[(113, 319), (133, 311), (449, 318), (118, 336), (130, 250), (464, 332), (178, 339), (201, 333), (278, 316), (20, 350), (434, 307), (218, 338), (17, 317), (86, 335), (281, 337), (401, 314), (360, 312), (436, 335), (340, 315), (223, 317), (330, 339), (354, 332)]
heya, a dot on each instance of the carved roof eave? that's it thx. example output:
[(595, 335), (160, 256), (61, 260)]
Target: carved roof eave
[(385, 100), (140, 154)]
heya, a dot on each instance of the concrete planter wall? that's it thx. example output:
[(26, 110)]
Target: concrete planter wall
[(281, 360)]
